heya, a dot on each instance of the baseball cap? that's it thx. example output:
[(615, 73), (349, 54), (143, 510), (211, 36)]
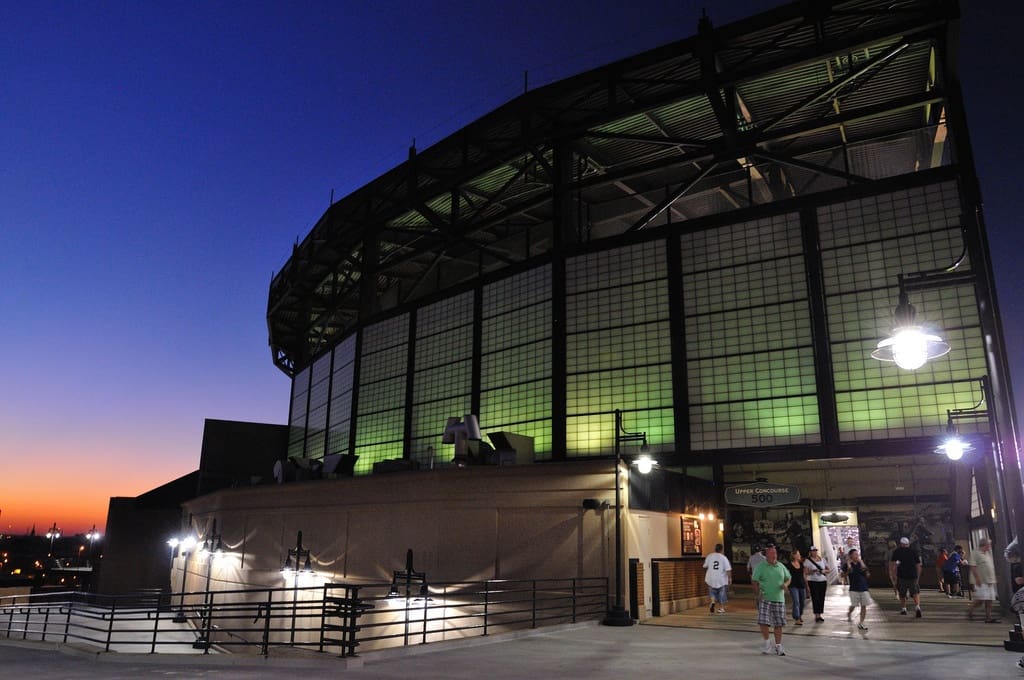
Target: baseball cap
[(904, 541), (813, 547)]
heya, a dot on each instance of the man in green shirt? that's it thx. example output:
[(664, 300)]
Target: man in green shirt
[(772, 579)]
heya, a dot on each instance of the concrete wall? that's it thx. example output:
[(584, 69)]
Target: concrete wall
[(462, 524)]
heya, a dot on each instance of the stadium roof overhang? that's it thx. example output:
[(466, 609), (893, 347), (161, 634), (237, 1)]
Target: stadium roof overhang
[(806, 98)]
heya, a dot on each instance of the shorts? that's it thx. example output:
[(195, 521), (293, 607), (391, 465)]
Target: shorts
[(951, 578), (718, 594), (860, 598), (907, 586), (986, 592), (771, 614)]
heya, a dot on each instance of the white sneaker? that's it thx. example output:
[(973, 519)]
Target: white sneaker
[(780, 650), (767, 647), (862, 626), (721, 611)]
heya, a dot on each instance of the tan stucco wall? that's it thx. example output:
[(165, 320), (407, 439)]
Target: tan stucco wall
[(462, 525)]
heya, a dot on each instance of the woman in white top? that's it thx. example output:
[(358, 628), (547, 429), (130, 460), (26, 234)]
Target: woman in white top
[(816, 571)]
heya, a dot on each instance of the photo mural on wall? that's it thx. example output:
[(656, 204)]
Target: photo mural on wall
[(929, 526), (787, 527)]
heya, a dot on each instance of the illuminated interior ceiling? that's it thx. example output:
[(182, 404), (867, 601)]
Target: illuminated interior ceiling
[(795, 101)]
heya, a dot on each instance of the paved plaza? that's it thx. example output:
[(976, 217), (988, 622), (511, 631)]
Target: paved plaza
[(943, 643)]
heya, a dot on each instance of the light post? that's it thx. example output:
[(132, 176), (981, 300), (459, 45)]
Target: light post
[(1004, 527), (212, 549), (617, 615), (185, 544), (301, 556), (53, 534), (92, 536)]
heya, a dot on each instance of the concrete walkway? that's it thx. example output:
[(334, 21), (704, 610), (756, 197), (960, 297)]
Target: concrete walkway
[(689, 645), (943, 620)]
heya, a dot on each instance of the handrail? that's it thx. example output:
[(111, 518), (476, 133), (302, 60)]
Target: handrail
[(336, 618)]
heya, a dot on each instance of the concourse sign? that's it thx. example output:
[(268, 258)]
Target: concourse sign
[(762, 494)]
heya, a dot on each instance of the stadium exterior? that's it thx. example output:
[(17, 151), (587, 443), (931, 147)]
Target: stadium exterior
[(710, 238)]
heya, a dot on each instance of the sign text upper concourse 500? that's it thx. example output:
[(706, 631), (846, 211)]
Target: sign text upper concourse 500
[(762, 494)]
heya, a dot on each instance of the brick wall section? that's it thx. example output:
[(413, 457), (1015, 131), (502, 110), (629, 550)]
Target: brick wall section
[(681, 580)]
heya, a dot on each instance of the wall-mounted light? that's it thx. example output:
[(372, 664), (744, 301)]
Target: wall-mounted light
[(911, 344), (954, 446), (644, 463)]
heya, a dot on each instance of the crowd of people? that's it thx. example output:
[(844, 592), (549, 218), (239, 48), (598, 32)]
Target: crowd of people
[(807, 578)]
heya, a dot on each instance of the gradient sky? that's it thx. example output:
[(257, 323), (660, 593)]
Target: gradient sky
[(158, 160)]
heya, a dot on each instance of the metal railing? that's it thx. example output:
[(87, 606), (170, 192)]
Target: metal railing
[(332, 618)]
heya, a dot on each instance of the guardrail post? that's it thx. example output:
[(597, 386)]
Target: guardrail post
[(352, 618), (487, 601), (574, 600), (110, 625), (533, 604), (71, 608), (426, 606), (208, 628), (156, 628), (265, 646)]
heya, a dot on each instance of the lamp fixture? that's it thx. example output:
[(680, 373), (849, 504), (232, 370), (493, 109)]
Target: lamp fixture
[(644, 463), (954, 446), (911, 344), (409, 576), (833, 518)]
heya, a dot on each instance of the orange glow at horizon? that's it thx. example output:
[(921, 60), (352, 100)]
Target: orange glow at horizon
[(76, 496)]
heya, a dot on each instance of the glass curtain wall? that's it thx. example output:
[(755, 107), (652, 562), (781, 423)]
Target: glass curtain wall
[(748, 345)]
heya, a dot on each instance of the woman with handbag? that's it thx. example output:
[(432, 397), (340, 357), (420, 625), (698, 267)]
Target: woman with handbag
[(816, 571)]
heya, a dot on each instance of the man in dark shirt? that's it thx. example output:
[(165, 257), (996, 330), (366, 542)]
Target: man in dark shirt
[(905, 568)]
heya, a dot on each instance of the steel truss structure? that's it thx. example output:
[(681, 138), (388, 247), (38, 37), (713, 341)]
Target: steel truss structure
[(807, 98)]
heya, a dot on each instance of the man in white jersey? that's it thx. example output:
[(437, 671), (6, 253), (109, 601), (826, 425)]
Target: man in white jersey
[(718, 576)]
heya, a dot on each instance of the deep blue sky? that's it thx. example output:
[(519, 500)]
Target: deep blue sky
[(157, 161)]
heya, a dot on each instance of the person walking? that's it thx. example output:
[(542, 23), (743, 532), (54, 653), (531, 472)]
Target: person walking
[(797, 586), (983, 573), (816, 571), (857, 574), (951, 571), (905, 569), (772, 579), (940, 562), (718, 577), (889, 550), (756, 558)]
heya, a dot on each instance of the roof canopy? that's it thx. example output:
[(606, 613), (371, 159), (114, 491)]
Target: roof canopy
[(809, 97)]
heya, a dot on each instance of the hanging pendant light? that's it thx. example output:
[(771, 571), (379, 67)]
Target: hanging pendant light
[(911, 345)]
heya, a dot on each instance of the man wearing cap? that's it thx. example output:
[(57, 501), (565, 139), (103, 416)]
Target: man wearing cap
[(905, 568)]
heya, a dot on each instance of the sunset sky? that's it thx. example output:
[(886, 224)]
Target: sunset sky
[(158, 161)]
